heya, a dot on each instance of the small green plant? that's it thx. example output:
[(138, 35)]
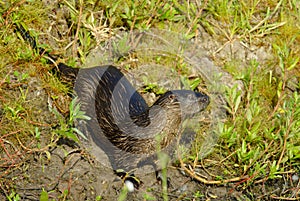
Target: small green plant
[(153, 87), (191, 84), (15, 111), (44, 196), (18, 77), (164, 159), (123, 194), (198, 194), (148, 197), (64, 194), (37, 135), (98, 198), (233, 98), (24, 54), (67, 128), (21, 76), (13, 196)]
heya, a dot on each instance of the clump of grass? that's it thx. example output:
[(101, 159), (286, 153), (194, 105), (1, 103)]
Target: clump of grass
[(259, 140), (67, 129), (243, 20)]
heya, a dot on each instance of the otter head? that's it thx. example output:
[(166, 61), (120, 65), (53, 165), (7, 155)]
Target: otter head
[(186, 102)]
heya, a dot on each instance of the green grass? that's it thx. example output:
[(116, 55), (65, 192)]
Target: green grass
[(260, 139)]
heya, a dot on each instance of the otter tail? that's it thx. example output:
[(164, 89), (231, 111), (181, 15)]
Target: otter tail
[(66, 72)]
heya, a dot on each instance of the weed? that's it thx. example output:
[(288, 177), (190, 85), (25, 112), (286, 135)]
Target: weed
[(123, 194), (64, 195), (153, 87), (67, 128), (44, 196), (233, 98), (148, 197), (198, 194), (191, 84), (13, 196), (237, 19), (246, 132), (37, 134), (98, 198), (15, 112)]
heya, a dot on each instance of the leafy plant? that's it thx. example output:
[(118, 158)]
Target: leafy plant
[(13, 196), (191, 84), (21, 76), (15, 112), (67, 128), (37, 134), (44, 196), (152, 87), (148, 197), (233, 98)]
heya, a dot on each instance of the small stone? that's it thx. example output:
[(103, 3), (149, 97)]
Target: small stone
[(295, 177), (129, 185)]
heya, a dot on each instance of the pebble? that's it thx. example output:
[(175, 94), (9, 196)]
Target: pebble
[(295, 177), (129, 185)]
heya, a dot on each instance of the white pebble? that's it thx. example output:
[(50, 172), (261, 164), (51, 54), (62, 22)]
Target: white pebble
[(295, 177), (129, 185)]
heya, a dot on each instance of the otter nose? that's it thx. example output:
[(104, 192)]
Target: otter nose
[(203, 98)]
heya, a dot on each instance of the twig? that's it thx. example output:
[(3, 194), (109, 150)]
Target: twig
[(12, 133), (285, 138), (35, 123), (205, 181), (196, 18), (5, 78), (36, 149), (11, 10), (283, 198), (74, 51), (266, 18)]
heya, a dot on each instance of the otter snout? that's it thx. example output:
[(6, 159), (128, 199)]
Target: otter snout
[(191, 102), (203, 100)]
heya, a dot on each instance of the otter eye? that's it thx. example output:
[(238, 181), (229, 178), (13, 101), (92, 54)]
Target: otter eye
[(172, 97), (205, 99)]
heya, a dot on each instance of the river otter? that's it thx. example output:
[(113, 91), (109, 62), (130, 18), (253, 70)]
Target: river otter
[(122, 124)]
